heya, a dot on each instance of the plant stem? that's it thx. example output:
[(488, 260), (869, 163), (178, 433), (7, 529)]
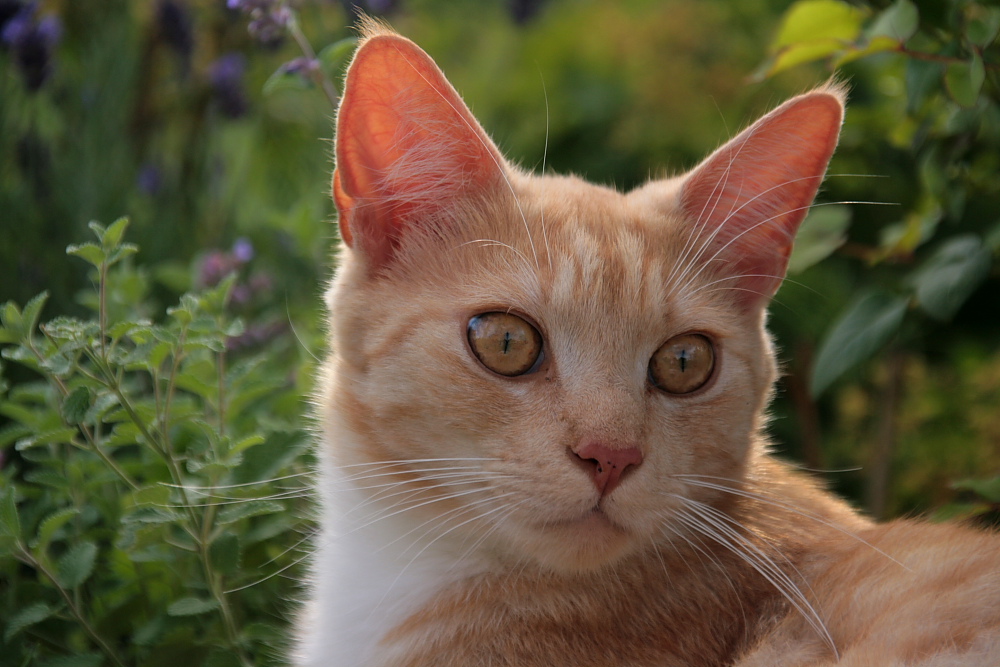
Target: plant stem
[(315, 73), (26, 557)]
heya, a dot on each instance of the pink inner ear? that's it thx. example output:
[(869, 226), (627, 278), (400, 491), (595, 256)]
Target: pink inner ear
[(406, 146), (748, 198)]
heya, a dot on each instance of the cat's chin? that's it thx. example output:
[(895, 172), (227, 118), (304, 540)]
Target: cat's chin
[(582, 544)]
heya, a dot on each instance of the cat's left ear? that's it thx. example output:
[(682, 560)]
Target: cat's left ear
[(407, 146), (747, 199)]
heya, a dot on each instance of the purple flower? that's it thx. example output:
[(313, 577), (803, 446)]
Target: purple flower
[(215, 266), (243, 250), (226, 75), (149, 179), (31, 42), (268, 18)]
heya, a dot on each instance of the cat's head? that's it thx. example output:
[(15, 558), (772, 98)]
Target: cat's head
[(533, 364)]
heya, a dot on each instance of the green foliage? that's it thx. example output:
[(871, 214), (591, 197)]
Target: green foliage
[(134, 497), (926, 115)]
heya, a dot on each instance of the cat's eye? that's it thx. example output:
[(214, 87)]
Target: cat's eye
[(683, 364), (504, 343)]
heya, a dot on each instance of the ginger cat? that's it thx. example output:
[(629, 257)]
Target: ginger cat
[(543, 416)]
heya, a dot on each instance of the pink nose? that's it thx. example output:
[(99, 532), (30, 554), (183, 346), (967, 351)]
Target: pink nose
[(607, 464)]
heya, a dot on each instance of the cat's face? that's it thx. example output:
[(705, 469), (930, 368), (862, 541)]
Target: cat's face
[(530, 366)]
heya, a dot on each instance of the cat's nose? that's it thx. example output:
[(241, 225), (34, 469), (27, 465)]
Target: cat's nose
[(607, 464)]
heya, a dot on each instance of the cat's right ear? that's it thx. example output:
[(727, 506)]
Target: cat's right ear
[(406, 147)]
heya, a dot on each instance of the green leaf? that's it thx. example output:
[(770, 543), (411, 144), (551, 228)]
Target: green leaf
[(225, 553), (112, 237), (10, 524), (284, 79), (76, 405), (32, 310), (951, 274), (77, 564), (89, 252), (51, 524), (34, 613), (222, 658), (987, 488), (982, 27), (822, 232), (13, 322), (49, 437), (813, 20), (334, 56), (191, 606), (899, 22), (121, 252), (965, 80), (250, 508), (864, 327), (75, 660)]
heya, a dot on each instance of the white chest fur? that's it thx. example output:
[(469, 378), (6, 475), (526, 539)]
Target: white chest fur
[(370, 571)]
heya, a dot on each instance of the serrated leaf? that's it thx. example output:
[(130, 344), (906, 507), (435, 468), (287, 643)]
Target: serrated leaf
[(50, 437), (76, 405), (250, 508), (863, 328), (822, 232), (10, 524), (12, 432), (965, 80), (33, 613), (246, 443), (44, 477), (89, 252), (112, 237), (32, 310), (191, 606), (225, 553), (121, 252), (51, 524), (152, 515), (76, 565), (951, 274)]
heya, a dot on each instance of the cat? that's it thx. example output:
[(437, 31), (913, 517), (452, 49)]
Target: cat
[(542, 417)]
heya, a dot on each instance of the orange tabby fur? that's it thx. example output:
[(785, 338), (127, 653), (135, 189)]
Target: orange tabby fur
[(459, 529)]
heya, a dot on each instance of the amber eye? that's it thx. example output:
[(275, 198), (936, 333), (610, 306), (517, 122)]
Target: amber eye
[(683, 364), (505, 343)]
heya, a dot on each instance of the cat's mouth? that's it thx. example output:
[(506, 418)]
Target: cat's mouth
[(594, 520)]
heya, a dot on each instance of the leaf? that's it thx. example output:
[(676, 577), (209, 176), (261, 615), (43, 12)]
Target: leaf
[(951, 274), (51, 524), (222, 658), (225, 553), (812, 20), (77, 564), (899, 22), (191, 606), (822, 232), (75, 660), (334, 56), (112, 237), (76, 405), (987, 488), (864, 327), (250, 508), (10, 524), (89, 252), (34, 613), (50, 437), (965, 80), (982, 28), (32, 310)]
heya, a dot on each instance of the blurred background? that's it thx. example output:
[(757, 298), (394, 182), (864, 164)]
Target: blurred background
[(214, 141), (157, 111)]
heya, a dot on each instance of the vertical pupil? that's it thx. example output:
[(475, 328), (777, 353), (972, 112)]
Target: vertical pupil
[(683, 359), (506, 341)]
